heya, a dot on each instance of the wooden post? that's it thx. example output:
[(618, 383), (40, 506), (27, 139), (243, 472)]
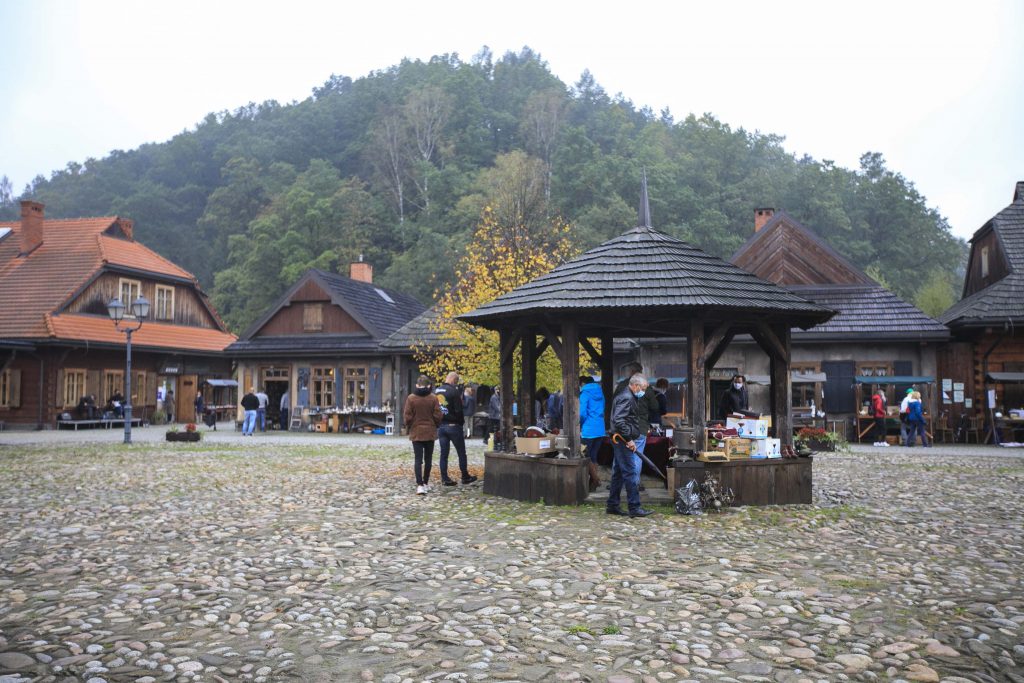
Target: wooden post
[(607, 375), (696, 387), (571, 385), (782, 387), (507, 345), (528, 382)]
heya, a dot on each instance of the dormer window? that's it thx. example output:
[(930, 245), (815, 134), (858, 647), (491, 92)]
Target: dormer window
[(984, 262), (312, 317), (164, 304), (130, 290)]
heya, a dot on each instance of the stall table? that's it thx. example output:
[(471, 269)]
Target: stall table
[(866, 426)]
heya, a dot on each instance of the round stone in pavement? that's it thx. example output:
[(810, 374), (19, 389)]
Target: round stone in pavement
[(15, 661)]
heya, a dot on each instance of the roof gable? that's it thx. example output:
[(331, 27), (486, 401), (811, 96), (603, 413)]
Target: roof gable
[(787, 253)]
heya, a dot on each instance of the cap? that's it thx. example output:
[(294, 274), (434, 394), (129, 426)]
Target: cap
[(910, 391)]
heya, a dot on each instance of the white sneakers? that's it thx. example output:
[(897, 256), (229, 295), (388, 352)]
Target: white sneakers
[(882, 443), (421, 490)]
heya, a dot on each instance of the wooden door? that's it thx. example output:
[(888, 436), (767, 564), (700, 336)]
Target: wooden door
[(186, 398)]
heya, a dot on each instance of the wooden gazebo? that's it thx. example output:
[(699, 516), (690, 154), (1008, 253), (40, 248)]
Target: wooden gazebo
[(643, 283)]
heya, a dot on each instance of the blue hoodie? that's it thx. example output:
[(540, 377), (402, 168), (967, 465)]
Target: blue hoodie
[(592, 411)]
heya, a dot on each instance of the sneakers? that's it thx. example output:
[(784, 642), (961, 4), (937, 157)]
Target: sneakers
[(421, 490), (468, 480), (448, 482)]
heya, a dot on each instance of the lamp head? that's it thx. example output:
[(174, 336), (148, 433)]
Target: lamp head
[(116, 310), (140, 308)]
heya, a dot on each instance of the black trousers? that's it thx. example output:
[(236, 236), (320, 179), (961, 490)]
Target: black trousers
[(880, 428), (424, 451), (449, 435)]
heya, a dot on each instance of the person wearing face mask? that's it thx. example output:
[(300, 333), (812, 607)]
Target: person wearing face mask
[(626, 464), (735, 399), (648, 408)]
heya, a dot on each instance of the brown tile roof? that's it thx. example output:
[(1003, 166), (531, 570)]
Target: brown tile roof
[(99, 329), (72, 252)]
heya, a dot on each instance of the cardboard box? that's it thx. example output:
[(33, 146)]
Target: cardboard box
[(536, 446), (768, 448), (739, 448), (748, 428)]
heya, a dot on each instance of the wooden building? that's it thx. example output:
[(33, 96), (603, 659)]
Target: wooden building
[(57, 342), (874, 334), (322, 343), (988, 321)]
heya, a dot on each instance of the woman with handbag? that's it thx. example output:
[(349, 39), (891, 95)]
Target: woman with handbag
[(422, 417)]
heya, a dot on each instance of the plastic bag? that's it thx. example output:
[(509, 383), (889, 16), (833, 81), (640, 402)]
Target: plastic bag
[(688, 499)]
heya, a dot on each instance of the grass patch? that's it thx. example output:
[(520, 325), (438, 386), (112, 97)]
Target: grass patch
[(611, 630), (579, 628), (858, 584)]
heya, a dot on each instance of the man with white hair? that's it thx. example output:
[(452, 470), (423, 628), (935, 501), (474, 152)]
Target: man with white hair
[(626, 465), (451, 430)]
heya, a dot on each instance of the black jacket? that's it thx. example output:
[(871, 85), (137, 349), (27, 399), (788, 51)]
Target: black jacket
[(733, 401), (450, 399), (625, 420), (250, 402)]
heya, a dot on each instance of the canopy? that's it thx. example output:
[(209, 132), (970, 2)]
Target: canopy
[(795, 378), (894, 379), (1006, 377), (222, 382)]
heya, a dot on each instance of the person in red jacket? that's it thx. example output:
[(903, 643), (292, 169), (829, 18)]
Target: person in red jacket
[(878, 409)]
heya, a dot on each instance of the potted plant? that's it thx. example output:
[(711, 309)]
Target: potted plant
[(818, 439), (190, 433)]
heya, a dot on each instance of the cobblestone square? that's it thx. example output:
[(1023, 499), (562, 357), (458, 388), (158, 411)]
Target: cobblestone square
[(306, 558)]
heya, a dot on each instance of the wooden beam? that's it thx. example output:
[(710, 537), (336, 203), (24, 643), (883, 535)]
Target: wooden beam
[(715, 339), (696, 387), (607, 375), (528, 380), (556, 345), (571, 385), (507, 340), (771, 342), (542, 347), (782, 388), (722, 347), (591, 351)]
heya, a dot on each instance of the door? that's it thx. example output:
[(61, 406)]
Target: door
[(188, 386), (839, 395)]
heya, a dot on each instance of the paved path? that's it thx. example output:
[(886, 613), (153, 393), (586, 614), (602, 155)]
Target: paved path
[(268, 559)]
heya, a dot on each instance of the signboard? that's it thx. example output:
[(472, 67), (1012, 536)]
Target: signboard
[(958, 396), (968, 403), (958, 386), (947, 385)]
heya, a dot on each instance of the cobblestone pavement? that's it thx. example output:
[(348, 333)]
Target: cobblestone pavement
[(263, 559)]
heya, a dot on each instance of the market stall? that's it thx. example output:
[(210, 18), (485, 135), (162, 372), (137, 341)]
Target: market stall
[(220, 397), (1008, 419), (895, 387)]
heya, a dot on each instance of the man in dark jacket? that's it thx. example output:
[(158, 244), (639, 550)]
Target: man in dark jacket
[(626, 465), (451, 430), (734, 400), (647, 408), (250, 404)]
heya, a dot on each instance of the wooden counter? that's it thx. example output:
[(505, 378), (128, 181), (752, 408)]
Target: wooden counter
[(773, 481), (552, 481)]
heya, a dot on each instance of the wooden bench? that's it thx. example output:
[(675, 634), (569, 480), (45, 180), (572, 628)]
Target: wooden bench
[(553, 481), (105, 423)]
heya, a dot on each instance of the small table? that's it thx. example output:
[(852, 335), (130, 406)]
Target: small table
[(866, 424)]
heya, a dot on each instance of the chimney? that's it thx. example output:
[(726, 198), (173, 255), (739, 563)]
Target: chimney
[(1018, 193), (762, 216), (31, 225), (127, 227), (361, 271)]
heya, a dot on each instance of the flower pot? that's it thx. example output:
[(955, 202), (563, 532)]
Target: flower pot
[(817, 445), (184, 436)]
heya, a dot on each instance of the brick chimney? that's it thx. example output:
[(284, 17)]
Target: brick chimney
[(361, 271), (761, 217), (127, 227), (1018, 193), (31, 225)]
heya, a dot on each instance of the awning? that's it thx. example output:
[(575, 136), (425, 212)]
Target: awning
[(222, 382), (894, 379), (1006, 377), (795, 378)]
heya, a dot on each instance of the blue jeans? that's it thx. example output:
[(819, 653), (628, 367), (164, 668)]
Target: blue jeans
[(913, 429), (594, 447), (447, 435), (625, 472), (261, 413), (249, 424)]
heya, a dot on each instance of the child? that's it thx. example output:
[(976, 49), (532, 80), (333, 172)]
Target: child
[(422, 417)]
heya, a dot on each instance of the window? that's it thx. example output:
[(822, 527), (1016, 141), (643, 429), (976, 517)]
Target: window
[(164, 309), (355, 386), (874, 369), (984, 261), (10, 389), (113, 383), (322, 395), (804, 393), (74, 386), (312, 317), (139, 390), (129, 291)]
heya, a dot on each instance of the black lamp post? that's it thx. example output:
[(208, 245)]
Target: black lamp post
[(140, 311)]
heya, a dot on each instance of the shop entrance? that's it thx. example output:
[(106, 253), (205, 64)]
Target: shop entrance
[(275, 383)]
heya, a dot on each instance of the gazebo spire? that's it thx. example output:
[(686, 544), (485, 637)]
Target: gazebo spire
[(644, 218)]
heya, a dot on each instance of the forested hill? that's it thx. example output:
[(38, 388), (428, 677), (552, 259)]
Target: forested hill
[(398, 165)]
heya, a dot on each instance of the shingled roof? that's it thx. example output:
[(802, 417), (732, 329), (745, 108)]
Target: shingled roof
[(1002, 301), (649, 271), (867, 312), (418, 332)]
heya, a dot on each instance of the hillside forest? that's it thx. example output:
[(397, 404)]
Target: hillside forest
[(398, 166)]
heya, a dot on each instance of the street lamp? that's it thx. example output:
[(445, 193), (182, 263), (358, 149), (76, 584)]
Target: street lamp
[(140, 311)]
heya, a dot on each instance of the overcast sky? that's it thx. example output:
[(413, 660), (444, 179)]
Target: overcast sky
[(937, 87)]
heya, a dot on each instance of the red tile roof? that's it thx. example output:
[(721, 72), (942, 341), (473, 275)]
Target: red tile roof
[(95, 328), (72, 252)]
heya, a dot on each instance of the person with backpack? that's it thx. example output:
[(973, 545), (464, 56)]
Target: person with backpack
[(915, 421), (422, 417)]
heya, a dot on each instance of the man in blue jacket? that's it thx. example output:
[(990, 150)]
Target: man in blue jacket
[(626, 466), (592, 427)]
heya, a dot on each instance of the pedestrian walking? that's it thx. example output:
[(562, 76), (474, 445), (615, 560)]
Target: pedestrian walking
[(878, 411), (261, 412), (422, 417), (250, 404), (592, 425), (626, 465), (493, 423), (285, 406), (915, 421), (450, 433)]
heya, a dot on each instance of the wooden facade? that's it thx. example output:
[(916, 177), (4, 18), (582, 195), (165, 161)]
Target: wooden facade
[(187, 308)]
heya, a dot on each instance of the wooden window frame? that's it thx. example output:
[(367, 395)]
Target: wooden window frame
[(127, 301), (815, 389), (319, 378), (312, 317), (6, 389), (139, 389), (70, 373), (352, 380), (156, 303), (109, 387), (874, 365), (984, 262)]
